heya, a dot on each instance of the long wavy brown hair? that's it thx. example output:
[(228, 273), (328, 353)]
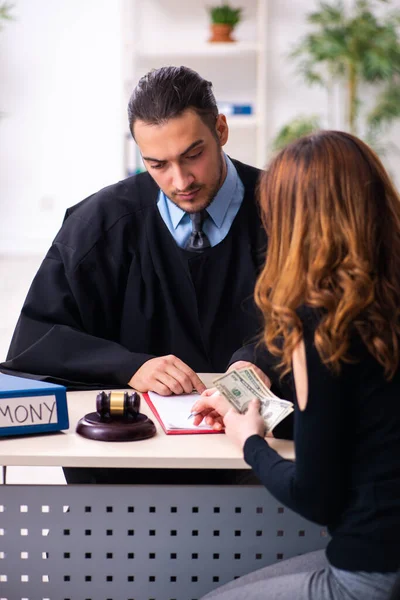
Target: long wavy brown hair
[(333, 219)]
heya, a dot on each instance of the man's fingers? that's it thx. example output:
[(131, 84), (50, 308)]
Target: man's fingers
[(166, 375), (183, 383), (243, 364), (181, 377), (199, 385), (170, 382), (159, 388), (195, 380)]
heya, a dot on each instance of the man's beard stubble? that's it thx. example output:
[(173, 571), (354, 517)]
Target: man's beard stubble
[(213, 191)]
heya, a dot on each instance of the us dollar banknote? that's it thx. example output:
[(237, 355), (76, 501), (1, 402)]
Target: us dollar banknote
[(242, 386)]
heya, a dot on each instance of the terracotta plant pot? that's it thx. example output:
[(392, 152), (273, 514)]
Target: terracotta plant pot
[(221, 33)]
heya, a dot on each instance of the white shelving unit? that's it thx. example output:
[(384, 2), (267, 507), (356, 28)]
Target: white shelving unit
[(172, 32), (201, 49)]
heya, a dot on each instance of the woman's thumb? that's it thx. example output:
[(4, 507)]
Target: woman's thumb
[(254, 405)]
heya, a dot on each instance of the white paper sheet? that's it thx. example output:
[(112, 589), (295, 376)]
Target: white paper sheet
[(175, 410)]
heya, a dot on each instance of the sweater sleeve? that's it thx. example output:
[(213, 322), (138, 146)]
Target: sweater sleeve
[(315, 484), (53, 338)]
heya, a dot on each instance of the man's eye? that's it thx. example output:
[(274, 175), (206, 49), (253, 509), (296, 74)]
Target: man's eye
[(157, 166), (193, 156)]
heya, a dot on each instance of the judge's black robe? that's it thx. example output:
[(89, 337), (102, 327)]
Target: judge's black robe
[(116, 290)]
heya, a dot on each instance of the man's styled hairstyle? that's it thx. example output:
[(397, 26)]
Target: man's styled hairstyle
[(166, 93), (333, 219)]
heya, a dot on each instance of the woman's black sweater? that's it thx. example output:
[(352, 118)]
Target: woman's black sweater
[(347, 469)]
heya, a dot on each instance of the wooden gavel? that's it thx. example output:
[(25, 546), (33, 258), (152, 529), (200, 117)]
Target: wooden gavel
[(117, 419), (117, 404)]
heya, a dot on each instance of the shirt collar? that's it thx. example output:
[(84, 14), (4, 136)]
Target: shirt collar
[(219, 206)]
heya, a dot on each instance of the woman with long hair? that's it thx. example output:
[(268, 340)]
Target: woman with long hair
[(329, 293)]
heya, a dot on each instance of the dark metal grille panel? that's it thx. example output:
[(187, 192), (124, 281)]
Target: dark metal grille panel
[(140, 542)]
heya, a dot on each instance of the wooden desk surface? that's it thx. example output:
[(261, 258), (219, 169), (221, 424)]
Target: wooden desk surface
[(69, 449)]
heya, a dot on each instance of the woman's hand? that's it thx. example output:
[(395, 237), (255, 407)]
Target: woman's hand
[(240, 427), (218, 412), (211, 407), (243, 364)]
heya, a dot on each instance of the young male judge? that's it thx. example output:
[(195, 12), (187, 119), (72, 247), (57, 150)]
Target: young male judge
[(150, 280)]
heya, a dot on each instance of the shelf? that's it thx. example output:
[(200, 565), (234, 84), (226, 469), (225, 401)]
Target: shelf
[(203, 49), (172, 32)]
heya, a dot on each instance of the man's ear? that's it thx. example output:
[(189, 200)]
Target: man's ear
[(222, 129)]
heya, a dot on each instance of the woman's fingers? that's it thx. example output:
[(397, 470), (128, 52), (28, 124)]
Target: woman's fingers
[(200, 415)]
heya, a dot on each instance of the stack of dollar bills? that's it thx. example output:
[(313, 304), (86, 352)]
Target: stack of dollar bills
[(241, 386)]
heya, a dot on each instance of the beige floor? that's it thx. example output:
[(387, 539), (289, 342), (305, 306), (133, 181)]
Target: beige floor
[(16, 274)]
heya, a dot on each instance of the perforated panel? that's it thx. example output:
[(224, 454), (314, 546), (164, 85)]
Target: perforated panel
[(140, 542)]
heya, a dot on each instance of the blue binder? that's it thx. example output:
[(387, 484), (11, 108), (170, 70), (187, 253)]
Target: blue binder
[(30, 406)]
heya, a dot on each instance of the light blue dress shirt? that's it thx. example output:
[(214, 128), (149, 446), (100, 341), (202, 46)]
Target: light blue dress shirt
[(221, 212)]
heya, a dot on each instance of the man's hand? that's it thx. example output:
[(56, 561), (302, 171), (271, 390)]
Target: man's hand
[(166, 375), (244, 364)]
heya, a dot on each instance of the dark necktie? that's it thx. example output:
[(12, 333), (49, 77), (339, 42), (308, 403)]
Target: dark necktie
[(198, 239)]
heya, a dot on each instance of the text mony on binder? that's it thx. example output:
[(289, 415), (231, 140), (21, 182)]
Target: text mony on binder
[(15, 412)]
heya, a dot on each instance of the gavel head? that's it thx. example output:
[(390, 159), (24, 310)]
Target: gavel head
[(121, 406)]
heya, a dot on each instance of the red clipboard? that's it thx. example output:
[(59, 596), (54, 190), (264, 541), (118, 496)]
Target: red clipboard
[(174, 431)]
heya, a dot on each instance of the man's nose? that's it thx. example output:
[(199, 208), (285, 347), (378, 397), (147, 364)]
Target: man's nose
[(182, 179)]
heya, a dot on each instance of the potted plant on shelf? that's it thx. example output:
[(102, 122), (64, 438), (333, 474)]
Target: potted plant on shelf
[(224, 19)]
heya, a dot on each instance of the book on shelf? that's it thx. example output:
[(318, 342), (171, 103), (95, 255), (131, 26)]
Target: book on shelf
[(173, 412), (29, 406), (234, 108)]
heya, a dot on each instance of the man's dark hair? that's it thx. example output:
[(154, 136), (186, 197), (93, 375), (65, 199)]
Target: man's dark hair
[(166, 93)]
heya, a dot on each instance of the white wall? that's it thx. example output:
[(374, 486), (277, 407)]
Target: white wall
[(64, 66), (62, 114)]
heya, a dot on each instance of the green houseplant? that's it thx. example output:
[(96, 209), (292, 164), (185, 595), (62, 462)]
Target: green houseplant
[(224, 19), (359, 50)]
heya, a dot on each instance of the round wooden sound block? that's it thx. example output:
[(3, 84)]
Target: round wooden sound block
[(94, 427)]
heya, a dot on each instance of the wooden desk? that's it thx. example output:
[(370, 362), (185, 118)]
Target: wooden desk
[(138, 542), (68, 449)]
